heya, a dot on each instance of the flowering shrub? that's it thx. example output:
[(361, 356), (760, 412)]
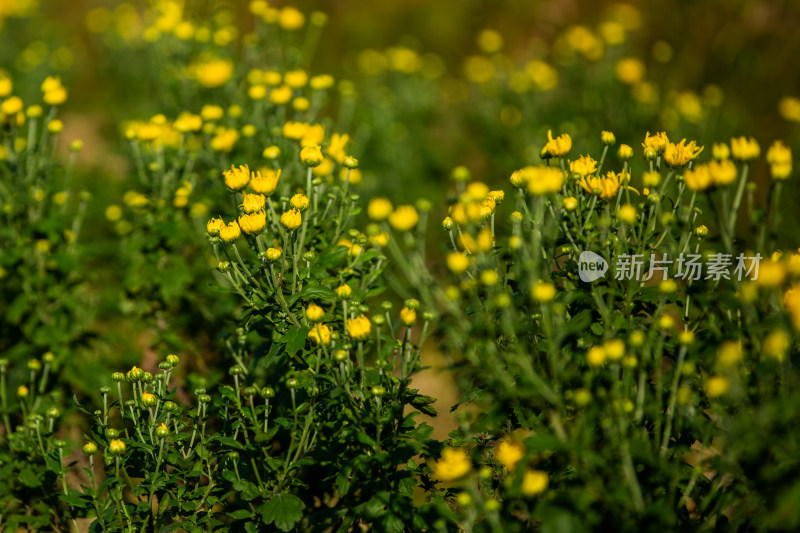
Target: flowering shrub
[(606, 395)]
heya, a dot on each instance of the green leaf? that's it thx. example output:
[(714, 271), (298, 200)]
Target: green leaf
[(295, 340), (247, 490), (241, 514), (285, 510)]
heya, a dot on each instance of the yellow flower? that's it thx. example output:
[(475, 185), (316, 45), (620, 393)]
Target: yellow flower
[(149, 399), (265, 181), (607, 138), (343, 291), (698, 178), (22, 391), (729, 354), (211, 112), (627, 214), (311, 156), (404, 218), (583, 166), (651, 179), (680, 154), (230, 233), (257, 92), (291, 19), (509, 453), (271, 152), (625, 152), (722, 172), (534, 482), (214, 225), (224, 140), (543, 292), (237, 179), (570, 203), (359, 327), (320, 334), (771, 273), (6, 86), (291, 219), (596, 356), (321, 82), (453, 464), (299, 201), (315, 313), (187, 122), (253, 202), (791, 301), (788, 107), (779, 157), (716, 386), (745, 149), (720, 151), (56, 96), (213, 73), (280, 95), (629, 70), (606, 187), (408, 316), (50, 83), (776, 345), (558, 147), (542, 180), (614, 348), (379, 209), (253, 223), (113, 212), (296, 78), (336, 147), (457, 262), (11, 105), (273, 254), (657, 143), (116, 447)]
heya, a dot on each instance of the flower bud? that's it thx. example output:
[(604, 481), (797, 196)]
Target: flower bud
[(299, 201), (162, 431), (315, 313), (116, 447), (268, 392), (148, 399), (90, 448), (311, 156)]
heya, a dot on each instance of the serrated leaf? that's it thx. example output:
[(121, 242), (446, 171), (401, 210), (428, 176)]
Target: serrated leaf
[(284, 510)]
